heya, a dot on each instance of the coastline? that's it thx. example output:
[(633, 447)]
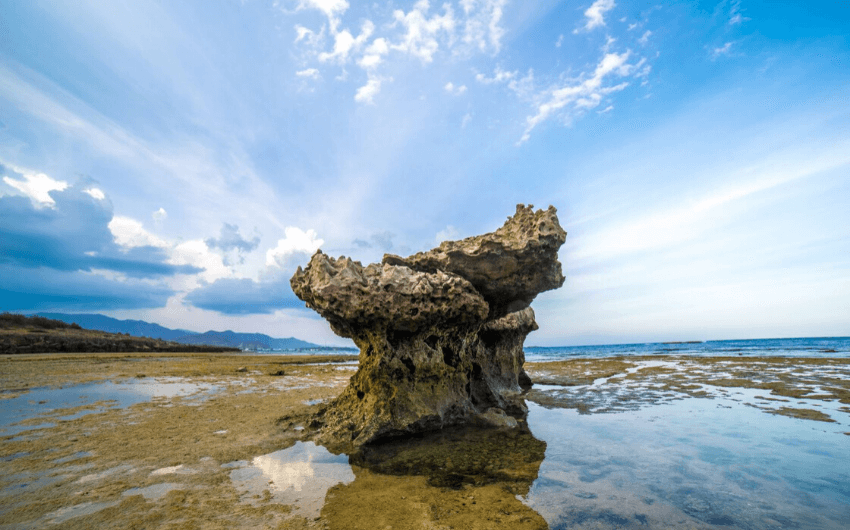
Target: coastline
[(168, 456)]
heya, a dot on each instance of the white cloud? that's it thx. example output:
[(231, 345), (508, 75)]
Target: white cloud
[(96, 193), (420, 32), (374, 53), (196, 253), (345, 43), (735, 16), (159, 215), (560, 40), (454, 90), (333, 9), (722, 50), (420, 38), (309, 73), (130, 233), (466, 119), (645, 37), (482, 29), (499, 76), (36, 186), (367, 92), (596, 13), (449, 233), (582, 95), (296, 244)]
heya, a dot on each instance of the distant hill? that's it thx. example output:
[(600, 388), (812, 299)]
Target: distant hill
[(38, 334), (245, 341), (140, 328), (136, 328)]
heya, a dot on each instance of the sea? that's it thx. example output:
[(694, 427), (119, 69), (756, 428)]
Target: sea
[(796, 347)]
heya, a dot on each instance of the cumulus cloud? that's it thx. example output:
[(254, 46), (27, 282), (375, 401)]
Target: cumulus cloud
[(374, 54), (130, 233), (333, 9), (271, 291), (36, 186), (367, 93), (595, 14), (345, 43), (294, 247), (421, 33), (454, 90), (159, 215), (230, 240), (96, 193), (67, 255)]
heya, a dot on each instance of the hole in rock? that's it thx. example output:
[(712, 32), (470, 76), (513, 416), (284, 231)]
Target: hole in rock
[(410, 366), (449, 356)]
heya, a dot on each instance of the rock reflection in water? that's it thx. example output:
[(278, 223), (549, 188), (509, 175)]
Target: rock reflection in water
[(463, 477)]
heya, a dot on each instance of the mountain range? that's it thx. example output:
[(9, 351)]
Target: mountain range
[(140, 328)]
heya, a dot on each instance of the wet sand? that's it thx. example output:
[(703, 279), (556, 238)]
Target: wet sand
[(195, 444)]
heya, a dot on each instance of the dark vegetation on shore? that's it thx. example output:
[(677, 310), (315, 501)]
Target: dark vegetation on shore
[(36, 334)]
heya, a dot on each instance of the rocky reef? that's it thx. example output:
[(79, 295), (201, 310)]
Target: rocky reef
[(440, 332)]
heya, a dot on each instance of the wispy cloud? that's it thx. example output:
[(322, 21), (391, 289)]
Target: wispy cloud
[(720, 51), (580, 95)]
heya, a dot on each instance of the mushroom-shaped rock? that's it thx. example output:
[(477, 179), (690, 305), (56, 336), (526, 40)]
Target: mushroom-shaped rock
[(440, 332)]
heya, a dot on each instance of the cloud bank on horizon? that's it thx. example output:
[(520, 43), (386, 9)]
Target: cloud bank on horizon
[(176, 162)]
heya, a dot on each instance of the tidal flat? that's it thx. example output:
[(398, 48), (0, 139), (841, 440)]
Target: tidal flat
[(224, 441)]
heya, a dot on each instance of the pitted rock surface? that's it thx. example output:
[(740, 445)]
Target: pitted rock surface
[(440, 332)]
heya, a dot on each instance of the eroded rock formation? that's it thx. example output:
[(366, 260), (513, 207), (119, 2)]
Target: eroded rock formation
[(440, 332)]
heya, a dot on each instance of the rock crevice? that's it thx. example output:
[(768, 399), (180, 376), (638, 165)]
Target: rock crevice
[(440, 332)]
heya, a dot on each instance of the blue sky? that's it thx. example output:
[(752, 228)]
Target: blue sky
[(175, 161)]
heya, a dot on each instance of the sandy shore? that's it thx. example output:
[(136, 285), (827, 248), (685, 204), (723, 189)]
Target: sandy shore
[(170, 461)]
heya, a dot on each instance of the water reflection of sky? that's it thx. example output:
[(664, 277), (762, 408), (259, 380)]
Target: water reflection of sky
[(690, 462), (300, 475), (123, 394)]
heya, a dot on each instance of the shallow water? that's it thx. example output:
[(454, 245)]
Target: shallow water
[(299, 476), (689, 463), (45, 401), (715, 462)]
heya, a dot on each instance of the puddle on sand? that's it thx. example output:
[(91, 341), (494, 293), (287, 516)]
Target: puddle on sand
[(693, 463), (299, 476), (42, 401), (154, 492)]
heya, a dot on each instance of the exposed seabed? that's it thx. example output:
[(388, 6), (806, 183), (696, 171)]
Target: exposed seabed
[(638, 443)]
